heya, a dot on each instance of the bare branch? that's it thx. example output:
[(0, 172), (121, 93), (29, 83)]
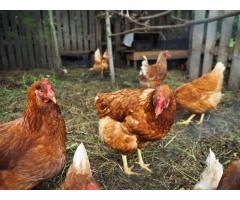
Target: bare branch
[(188, 23), (130, 18), (155, 16), (179, 19)]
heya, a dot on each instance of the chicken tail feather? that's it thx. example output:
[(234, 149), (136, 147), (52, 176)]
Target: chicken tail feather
[(211, 175)]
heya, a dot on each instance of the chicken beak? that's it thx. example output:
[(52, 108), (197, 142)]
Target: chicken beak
[(53, 99)]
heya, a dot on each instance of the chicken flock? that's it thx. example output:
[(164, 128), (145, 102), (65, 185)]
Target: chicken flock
[(129, 120)]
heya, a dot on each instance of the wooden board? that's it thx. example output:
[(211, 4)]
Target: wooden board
[(28, 33), (85, 29), (92, 31), (40, 38), (48, 42), (73, 29), (36, 43), (79, 30), (4, 61), (59, 29), (9, 41), (226, 33), (19, 61), (210, 43), (197, 40), (152, 55), (234, 79), (66, 31), (98, 33)]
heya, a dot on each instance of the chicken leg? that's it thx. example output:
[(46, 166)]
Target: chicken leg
[(201, 119), (188, 121), (101, 74), (127, 170), (140, 161)]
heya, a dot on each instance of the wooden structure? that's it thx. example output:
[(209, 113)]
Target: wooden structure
[(210, 43), (26, 42), (152, 55)]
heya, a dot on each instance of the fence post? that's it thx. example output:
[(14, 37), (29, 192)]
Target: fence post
[(210, 43), (225, 36), (109, 46), (57, 59), (234, 79), (196, 51)]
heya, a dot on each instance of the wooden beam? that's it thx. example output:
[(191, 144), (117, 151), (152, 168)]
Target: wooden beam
[(153, 55)]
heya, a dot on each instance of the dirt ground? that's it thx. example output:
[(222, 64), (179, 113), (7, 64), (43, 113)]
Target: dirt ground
[(176, 161)]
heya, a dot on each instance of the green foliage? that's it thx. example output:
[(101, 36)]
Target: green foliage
[(27, 19), (232, 43)]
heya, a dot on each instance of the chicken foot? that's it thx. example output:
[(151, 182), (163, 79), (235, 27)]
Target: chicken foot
[(188, 121), (127, 170), (201, 119), (141, 162)]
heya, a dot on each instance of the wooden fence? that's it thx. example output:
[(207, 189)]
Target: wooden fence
[(26, 42), (211, 43)]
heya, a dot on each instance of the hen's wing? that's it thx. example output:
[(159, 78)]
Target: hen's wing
[(13, 143)]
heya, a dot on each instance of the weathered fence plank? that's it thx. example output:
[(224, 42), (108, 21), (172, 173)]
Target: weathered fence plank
[(73, 30), (40, 39), (47, 39), (28, 33), (36, 42), (66, 31), (210, 43), (234, 79), (17, 44), (3, 54), (85, 29), (8, 39), (79, 30), (226, 33), (98, 33), (196, 51), (59, 29), (92, 31)]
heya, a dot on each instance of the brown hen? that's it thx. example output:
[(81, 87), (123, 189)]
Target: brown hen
[(131, 118), (202, 94), (231, 177), (79, 175), (101, 62), (154, 75), (32, 148)]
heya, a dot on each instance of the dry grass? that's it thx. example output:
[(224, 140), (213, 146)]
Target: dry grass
[(176, 161)]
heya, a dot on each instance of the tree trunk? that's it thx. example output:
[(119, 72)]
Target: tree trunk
[(57, 58), (109, 46)]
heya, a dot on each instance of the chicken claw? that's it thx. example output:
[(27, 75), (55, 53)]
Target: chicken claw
[(127, 170), (188, 121), (201, 119), (141, 163)]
